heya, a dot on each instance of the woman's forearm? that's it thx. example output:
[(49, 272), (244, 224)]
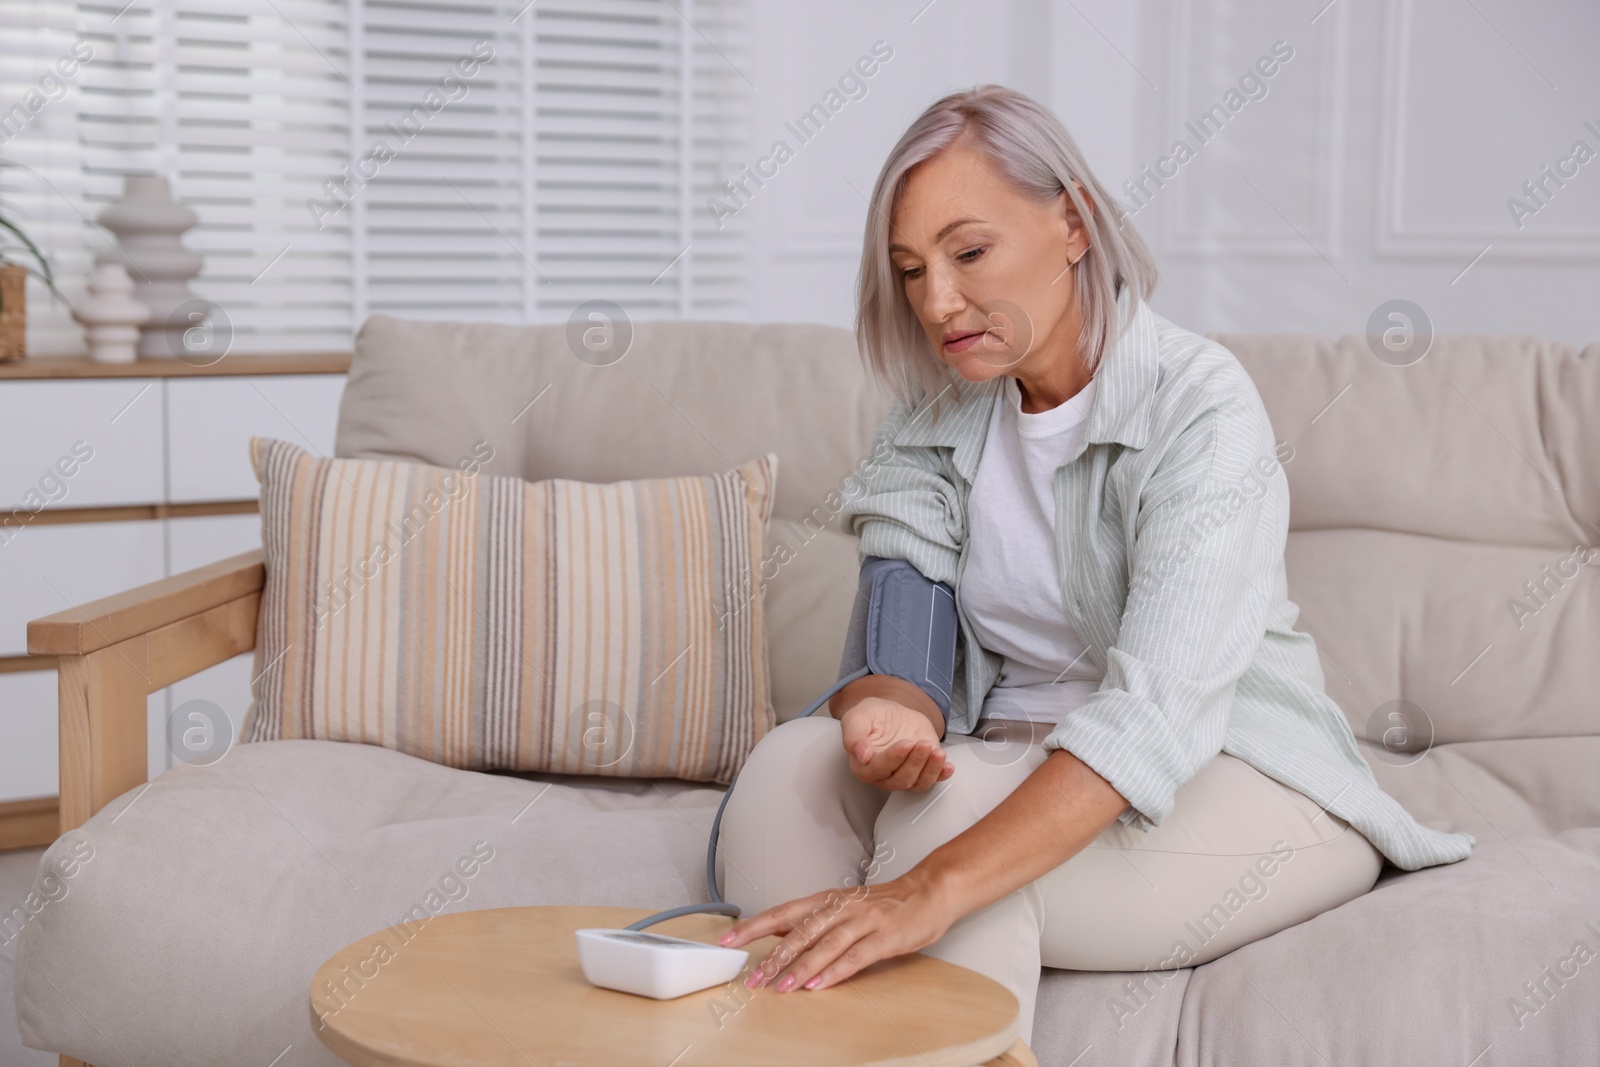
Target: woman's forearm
[(1056, 812)]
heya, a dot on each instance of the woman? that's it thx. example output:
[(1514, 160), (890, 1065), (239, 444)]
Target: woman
[(1140, 768)]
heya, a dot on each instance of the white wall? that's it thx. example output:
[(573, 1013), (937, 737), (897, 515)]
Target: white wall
[(1377, 165), (807, 221)]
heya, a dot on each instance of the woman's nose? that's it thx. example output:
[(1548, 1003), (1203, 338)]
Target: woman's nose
[(941, 299)]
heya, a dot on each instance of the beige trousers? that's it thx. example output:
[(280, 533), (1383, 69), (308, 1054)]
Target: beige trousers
[(1240, 856)]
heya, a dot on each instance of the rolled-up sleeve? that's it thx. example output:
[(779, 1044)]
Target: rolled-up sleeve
[(1207, 544), (902, 505)]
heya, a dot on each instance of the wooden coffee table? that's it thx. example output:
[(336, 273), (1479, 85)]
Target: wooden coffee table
[(503, 986)]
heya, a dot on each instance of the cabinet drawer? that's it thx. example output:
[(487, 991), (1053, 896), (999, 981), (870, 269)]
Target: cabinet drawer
[(210, 423), (79, 444), (198, 541), (28, 722), (28, 700), (46, 569), (224, 689)]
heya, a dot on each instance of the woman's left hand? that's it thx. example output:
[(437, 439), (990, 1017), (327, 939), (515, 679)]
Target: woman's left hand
[(831, 935)]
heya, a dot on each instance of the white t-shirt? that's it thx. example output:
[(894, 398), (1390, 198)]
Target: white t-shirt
[(1011, 588)]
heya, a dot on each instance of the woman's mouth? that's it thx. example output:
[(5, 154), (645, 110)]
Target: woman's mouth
[(962, 342)]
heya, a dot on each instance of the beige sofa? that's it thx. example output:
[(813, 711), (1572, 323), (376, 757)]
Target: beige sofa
[(1427, 500)]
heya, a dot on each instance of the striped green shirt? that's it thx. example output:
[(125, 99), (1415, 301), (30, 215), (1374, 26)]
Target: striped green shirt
[(1171, 521)]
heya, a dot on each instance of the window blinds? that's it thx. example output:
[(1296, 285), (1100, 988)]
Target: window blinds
[(476, 160), (38, 130)]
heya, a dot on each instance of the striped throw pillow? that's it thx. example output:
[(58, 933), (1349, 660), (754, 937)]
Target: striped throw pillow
[(486, 622)]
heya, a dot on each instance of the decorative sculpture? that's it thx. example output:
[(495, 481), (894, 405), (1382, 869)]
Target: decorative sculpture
[(149, 224), (111, 314)]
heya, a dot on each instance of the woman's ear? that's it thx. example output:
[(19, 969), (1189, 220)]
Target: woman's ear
[(1077, 229)]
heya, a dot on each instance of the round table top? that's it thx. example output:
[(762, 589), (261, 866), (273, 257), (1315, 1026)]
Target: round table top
[(503, 986)]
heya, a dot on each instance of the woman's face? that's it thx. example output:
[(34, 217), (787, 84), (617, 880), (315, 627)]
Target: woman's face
[(985, 268)]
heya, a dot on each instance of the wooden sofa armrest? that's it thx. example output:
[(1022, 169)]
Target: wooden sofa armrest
[(115, 652)]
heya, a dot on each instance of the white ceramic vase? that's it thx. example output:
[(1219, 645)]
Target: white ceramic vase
[(149, 224), (111, 315)]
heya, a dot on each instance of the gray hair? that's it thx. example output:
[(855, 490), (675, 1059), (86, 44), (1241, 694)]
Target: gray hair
[(1039, 158)]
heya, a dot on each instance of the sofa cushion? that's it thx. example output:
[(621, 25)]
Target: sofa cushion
[(1493, 960), (1444, 524), (1109, 1018), (709, 393), (1486, 438), (808, 611), (1426, 970), (1512, 787), (490, 623), (1400, 615), (214, 894), (1444, 550)]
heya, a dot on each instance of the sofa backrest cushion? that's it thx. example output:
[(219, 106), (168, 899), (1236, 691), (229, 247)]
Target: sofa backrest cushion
[(1443, 542), (1485, 439), (687, 398)]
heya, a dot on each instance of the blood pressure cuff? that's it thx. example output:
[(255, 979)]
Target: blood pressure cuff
[(903, 625)]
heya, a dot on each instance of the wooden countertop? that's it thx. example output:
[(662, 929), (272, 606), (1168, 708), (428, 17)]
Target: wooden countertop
[(43, 368)]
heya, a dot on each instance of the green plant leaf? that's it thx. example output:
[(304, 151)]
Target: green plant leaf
[(49, 282), (33, 249), (43, 272)]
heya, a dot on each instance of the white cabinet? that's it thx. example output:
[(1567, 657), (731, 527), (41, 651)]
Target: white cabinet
[(28, 754), (87, 561), (139, 445), (79, 444), (46, 569), (194, 542), (210, 422), (27, 735), (198, 541), (225, 686)]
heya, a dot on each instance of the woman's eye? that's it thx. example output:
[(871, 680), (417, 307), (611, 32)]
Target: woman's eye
[(970, 254), (909, 273)]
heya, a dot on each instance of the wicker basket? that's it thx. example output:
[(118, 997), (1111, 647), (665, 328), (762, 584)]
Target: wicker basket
[(13, 312)]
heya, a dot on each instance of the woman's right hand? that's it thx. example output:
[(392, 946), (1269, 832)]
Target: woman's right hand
[(892, 746)]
